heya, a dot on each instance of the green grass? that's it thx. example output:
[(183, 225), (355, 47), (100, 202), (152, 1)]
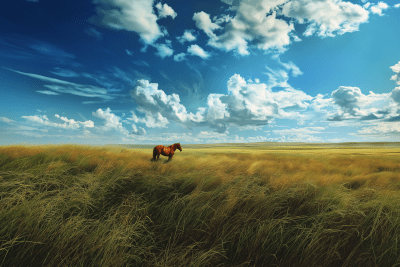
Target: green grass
[(73, 205)]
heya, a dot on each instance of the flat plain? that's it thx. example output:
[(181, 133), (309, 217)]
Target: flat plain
[(259, 204)]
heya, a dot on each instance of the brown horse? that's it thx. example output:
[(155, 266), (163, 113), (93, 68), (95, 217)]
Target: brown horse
[(168, 151)]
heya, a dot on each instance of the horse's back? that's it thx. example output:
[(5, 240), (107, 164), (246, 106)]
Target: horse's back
[(158, 149)]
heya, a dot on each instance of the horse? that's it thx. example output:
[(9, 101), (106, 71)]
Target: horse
[(168, 151)]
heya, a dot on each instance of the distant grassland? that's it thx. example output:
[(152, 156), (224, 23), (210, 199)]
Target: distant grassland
[(264, 204)]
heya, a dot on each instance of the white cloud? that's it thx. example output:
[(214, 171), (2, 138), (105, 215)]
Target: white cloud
[(395, 95), (180, 57), (155, 120), (154, 102), (128, 52), (257, 23), (141, 63), (244, 105), (296, 131), (326, 17), (136, 16), (396, 69), (6, 120), (163, 50), (252, 26), (65, 87), (300, 134), (136, 131), (319, 102), (381, 129), (65, 73), (86, 124), (397, 5), (187, 36), (378, 8), (69, 123), (353, 104), (290, 66), (94, 33), (165, 11), (111, 121), (203, 22), (45, 92), (196, 50)]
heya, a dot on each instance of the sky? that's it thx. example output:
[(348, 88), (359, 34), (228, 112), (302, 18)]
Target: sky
[(201, 71)]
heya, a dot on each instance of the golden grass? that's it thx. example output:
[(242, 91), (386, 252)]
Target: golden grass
[(224, 206)]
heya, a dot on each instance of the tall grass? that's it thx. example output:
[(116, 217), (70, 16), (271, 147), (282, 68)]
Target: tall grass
[(74, 205)]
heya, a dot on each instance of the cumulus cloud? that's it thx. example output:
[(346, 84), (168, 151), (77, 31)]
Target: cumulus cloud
[(196, 50), (378, 8), (395, 95), (354, 104), (246, 104), (203, 22), (396, 69), (165, 11), (326, 17), (69, 123), (161, 107), (186, 37), (256, 22), (135, 16), (136, 131), (111, 121), (251, 25)]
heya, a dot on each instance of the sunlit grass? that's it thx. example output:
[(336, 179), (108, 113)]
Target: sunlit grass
[(70, 205)]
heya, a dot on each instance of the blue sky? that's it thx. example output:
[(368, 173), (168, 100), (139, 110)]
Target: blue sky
[(209, 71)]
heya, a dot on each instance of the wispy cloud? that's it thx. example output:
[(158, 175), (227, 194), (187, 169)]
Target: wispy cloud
[(26, 48), (180, 57), (6, 120), (61, 86), (94, 33), (65, 73), (45, 92), (141, 63)]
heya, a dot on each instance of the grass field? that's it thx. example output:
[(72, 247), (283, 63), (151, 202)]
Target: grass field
[(264, 204)]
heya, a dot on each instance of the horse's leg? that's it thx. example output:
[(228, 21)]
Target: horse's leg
[(170, 157)]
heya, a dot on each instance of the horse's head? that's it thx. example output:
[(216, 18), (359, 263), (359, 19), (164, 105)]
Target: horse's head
[(178, 146)]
